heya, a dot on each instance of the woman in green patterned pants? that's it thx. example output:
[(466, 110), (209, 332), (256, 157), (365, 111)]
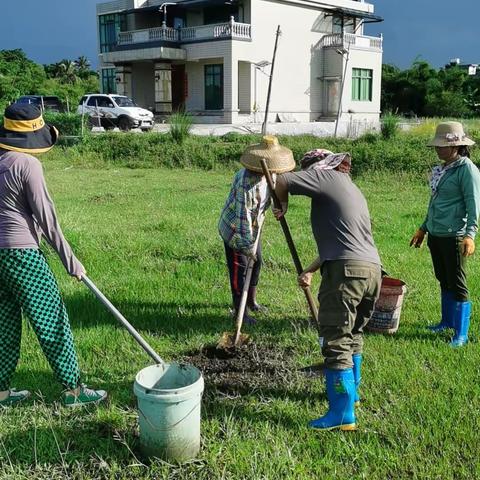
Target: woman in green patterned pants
[(27, 285)]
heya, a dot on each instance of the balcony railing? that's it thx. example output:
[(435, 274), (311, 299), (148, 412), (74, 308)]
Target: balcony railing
[(220, 30), (148, 35), (350, 39), (230, 30)]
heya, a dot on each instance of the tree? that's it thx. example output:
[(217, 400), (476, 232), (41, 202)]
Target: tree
[(67, 79), (18, 76), (67, 72), (82, 65), (423, 90)]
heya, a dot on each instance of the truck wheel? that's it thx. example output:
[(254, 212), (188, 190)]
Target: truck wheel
[(124, 124)]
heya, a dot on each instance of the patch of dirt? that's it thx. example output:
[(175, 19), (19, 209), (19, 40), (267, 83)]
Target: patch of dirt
[(103, 198), (245, 369)]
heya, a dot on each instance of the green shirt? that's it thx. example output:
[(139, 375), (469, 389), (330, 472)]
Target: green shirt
[(454, 209)]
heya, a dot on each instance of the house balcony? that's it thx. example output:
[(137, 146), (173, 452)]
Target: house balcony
[(350, 40), (231, 30), (149, 37)]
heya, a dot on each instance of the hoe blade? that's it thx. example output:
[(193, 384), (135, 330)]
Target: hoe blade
[(227, 341)]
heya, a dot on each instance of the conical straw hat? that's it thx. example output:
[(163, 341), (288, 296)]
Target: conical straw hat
[(279, 159)]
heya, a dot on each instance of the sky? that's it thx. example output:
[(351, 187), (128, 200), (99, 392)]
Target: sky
[(433, 30)]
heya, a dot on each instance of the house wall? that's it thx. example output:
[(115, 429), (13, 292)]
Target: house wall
[(370, 60), (196, 82), (245, 102), (298, 87), (115, 6), (200, 54), (143, 85)]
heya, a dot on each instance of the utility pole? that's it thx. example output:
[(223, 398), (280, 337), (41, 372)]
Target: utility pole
[(342, 52)]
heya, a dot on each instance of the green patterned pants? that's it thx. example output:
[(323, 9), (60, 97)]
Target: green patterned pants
[(27, 285)]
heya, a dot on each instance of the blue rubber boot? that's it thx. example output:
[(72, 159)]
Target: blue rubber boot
[(461, 323), (341, 397), (448, 308), (357, 375)]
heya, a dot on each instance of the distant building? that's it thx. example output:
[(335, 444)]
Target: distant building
[(212, 58), (470, 68)]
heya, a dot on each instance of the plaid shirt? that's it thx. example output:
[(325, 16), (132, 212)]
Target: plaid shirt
[(238, 225)]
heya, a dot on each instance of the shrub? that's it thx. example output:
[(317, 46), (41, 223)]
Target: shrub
[(406, 152), (369, 137), (180, 126), (389, 126), (68, 124)]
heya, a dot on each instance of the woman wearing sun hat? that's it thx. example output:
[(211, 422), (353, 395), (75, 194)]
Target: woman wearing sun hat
[(27, 284), (452, 224)]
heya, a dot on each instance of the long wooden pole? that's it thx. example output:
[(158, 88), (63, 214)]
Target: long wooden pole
[(264, 126), (246, 285), (288, 236)]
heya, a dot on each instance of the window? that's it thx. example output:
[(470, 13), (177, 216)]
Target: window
[(362, 80), (343, 24), (124, 102), (337, 24), (109, 26), (108, 80), (213, 87), (99, 101), (178, 22)]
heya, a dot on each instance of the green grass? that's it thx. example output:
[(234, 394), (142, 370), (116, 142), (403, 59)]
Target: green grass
[(148, 239)]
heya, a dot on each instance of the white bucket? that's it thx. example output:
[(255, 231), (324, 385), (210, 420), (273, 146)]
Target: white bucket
[(169, 400)]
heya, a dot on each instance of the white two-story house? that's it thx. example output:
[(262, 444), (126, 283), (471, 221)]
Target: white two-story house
[(213, 58)]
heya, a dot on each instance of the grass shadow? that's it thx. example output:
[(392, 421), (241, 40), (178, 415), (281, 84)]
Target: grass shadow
[(47, 389), (171, 318)]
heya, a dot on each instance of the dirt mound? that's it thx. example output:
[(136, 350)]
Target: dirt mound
[(245, 369)]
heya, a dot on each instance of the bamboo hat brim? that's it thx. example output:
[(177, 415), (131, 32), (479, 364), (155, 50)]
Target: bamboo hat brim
[(279, 159)]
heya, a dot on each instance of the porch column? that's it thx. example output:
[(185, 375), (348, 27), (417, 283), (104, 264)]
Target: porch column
[(123, 79), (163, 87), (230, 88)]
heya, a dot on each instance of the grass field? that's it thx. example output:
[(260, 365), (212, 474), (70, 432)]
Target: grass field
[(148, 238)]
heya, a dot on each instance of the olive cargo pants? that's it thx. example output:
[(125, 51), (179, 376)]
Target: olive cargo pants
[(347, 296)]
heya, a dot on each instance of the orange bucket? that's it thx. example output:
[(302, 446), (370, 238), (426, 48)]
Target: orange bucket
[(386, 315)]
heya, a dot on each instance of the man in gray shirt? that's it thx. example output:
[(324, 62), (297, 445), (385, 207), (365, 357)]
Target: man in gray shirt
[(351, 273)]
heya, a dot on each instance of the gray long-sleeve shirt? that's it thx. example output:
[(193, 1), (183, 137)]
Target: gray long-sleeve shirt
[(27, 211)]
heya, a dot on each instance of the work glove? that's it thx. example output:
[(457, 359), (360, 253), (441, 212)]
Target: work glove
[(468, 246), (417, 239)]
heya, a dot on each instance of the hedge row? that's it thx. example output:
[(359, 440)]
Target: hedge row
[(405, 152), (68, 124)]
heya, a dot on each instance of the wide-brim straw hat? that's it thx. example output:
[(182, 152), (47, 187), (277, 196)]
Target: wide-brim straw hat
[(450, 134), (279, 159), (24, 130)]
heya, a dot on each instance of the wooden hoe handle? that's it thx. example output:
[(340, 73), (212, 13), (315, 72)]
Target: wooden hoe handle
[(288, 236)]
